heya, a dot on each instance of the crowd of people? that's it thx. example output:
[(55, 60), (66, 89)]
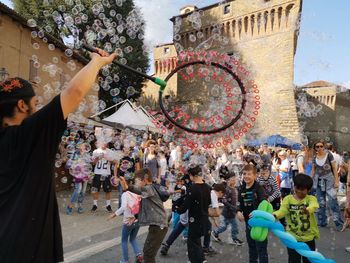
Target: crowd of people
[(210, 190)]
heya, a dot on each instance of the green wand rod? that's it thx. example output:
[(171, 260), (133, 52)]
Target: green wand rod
[(157, 81)]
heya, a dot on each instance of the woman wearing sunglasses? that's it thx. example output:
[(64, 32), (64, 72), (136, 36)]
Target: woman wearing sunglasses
[(324, 173)]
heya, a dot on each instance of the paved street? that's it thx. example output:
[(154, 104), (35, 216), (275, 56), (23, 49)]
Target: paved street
[(90, 238)]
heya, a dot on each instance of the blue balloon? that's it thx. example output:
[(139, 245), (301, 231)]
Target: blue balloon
[(264, 219)]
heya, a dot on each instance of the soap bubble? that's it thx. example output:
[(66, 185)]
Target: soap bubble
[(68, 52), (36, 45), (31, 23), (51, 47)]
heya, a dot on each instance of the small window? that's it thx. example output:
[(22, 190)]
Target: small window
[(227, 9), (166, 50), (33, 71)]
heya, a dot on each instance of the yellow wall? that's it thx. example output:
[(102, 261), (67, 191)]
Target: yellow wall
[(16, 50)]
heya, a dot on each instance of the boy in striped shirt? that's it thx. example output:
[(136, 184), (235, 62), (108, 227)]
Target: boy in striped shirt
[(269, 183)]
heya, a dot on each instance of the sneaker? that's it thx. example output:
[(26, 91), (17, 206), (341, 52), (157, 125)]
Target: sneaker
[(139, 259), (338, 228), (94, 208), (237, 242), (80, 210), (109, 209), (347, 249), (184, 239), (215, 236), (164, 249), (209, 251), (69, 210)]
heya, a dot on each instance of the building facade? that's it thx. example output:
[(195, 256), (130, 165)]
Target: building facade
[(331, 121), (164, 57), (37, 57), (264, 34)]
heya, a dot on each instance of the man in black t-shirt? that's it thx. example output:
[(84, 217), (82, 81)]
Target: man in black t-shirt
[(197, 203), (126, 167), (30, 229)]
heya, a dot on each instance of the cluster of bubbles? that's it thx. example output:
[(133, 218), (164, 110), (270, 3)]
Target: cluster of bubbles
[(307, 108), (73, 21), (78, 143), (196, 39), (311, 111), (224, 101)]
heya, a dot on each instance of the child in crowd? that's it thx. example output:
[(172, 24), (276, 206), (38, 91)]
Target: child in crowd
[(78, 166), (217, 192), (197, 203), (163, 167), (130, 207), (270, 185), (250, 195), (177, 195), (152, 212), (299, 209), (228, 216), (180, 224)]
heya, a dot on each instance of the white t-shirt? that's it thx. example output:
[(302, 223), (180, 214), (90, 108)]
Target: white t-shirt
[(337, 159), (103, 166), (162, 166), (285, 164), (129, 199), (214, 199), (172, 158)]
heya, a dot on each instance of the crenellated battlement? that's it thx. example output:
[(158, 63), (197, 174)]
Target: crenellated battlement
[(261, 23)]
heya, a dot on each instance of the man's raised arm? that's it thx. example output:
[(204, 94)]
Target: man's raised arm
[(82, 82)]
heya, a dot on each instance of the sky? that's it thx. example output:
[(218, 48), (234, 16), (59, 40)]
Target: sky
[(323, 44)]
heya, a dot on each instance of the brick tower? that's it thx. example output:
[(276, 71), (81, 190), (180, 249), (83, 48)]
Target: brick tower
[(264, 33)]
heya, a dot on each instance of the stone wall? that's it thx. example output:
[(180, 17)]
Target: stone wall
[(264, 34)]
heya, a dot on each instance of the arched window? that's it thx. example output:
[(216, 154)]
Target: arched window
[(246, 24), (280, 11), (288, 8), (252, 23), (272, 15)]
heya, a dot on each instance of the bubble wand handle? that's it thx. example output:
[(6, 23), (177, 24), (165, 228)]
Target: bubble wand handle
[(266, 220), (157, 81)]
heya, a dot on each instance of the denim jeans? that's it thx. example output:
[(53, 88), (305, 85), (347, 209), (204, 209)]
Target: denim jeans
[(120, 192), (224, 222), (79, 192), (325, 190), (130, 232), (257, 250), (175, 233), (175, 219)]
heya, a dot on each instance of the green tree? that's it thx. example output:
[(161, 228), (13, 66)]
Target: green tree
[(112, 25)]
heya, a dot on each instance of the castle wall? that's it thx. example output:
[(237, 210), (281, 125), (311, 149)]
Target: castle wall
[(264, 34)]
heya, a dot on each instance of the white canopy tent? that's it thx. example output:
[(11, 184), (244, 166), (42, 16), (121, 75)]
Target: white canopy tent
[(128, 116)]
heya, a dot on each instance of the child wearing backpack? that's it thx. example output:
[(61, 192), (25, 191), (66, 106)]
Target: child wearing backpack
[(130, 207), (152, 212)]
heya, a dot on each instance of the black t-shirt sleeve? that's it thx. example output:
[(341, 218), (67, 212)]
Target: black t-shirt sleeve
[(45, 127), (261, 193)]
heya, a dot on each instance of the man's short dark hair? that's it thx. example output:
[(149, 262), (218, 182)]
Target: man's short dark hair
[(303, 181), (7, 108), (144, 173), (250, 167), (195, 171), (219, 188)]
